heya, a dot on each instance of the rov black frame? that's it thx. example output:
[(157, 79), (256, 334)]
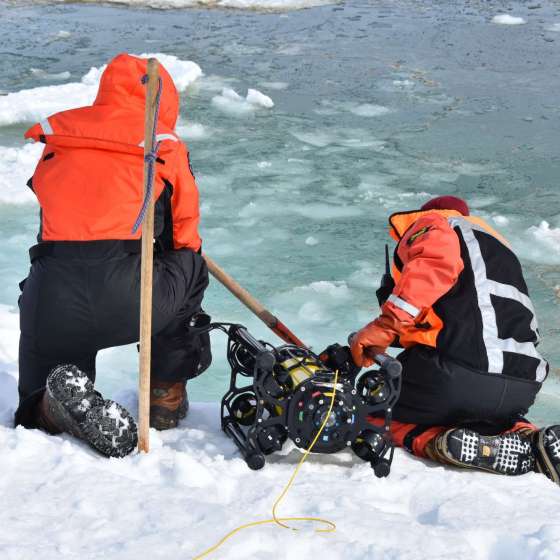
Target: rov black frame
[(261, 414)]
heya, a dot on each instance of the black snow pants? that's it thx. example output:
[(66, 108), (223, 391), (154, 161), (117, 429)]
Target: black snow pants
[(437, 391), (82, 297)]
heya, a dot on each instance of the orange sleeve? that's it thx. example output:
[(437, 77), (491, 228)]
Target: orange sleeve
[(184, 205), (431, 257)]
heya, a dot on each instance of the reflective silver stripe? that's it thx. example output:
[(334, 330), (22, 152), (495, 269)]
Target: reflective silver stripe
[(160, 137), (484, 287), (527, 349), (46, 126), (511, 292), (489, 325), (404, 305)]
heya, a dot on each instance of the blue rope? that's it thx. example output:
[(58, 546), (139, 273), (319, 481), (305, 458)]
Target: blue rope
[(150, 158)]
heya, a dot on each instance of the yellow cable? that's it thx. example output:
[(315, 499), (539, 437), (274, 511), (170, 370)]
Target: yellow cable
[(329, 526)]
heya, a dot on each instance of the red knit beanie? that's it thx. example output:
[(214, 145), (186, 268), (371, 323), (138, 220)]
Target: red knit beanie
[(447, 203)]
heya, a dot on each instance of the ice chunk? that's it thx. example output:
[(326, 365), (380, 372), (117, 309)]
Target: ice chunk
[(255, 97), (275, 85), (30, 105), (501, 220), (16, 166), (506, 19), (545, 234), (192, 131), (369, 110), (229, 101), (44, 75)]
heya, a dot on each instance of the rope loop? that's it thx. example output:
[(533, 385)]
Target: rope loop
[(150, 159)]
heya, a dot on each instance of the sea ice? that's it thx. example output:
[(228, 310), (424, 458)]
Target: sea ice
[(275, 85), (369, 110), (192, 131), (16, 166), (44, 75), (229, 101), (265, 5), (506, 19), (255, 97), (548, 235), (30, 105)]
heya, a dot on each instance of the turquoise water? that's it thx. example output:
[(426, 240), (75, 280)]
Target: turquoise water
[(378, 106)]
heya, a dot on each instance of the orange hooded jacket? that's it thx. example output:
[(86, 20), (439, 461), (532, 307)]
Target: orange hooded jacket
[(89, 181)]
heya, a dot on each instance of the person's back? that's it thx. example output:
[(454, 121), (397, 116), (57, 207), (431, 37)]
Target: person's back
[(82, 293), (460, 308), (469, 314)]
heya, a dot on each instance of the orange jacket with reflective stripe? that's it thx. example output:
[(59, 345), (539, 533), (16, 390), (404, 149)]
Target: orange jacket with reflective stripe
[(427, 265), (89, 181), (460, 289)]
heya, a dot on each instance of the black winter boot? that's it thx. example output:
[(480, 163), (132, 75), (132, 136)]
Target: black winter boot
[(510, 454), (547, 452), (72, 405)]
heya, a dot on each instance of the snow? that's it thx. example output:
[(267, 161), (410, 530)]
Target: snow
[(30, 105), (193, 487), (506, 19), (60, 498)]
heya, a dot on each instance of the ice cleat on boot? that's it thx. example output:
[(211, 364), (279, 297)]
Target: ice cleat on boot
[(75, 407), (547, 452), (509, 454), (169, 404)]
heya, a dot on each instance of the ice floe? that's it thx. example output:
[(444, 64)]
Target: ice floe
[(34, 104), (229, 101), (16, 167), (265, 5), (506, 19)]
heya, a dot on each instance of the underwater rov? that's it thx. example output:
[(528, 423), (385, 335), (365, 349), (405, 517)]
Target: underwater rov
[(288, 392)]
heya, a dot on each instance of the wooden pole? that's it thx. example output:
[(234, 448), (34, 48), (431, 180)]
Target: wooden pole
[(147, 262), (271, 321)]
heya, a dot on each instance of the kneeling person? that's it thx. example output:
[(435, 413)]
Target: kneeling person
[(460, 307), (83, 289)]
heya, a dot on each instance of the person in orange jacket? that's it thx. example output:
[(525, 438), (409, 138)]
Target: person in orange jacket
[(460, 308), (83, 289)]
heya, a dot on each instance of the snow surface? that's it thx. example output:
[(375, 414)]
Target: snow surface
[(61, 500), (30, 105), (506, 19), (67, 502)]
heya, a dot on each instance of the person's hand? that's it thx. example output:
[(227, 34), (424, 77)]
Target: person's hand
[(373, 339)]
